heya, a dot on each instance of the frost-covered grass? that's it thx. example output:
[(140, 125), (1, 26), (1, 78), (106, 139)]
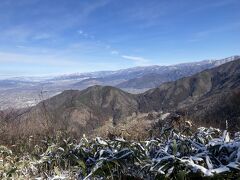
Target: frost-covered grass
[(207, 153)]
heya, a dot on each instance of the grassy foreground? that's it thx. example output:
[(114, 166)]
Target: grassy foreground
[(207, 153)]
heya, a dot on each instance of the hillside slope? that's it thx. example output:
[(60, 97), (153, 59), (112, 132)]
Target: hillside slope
[(208, 94), (197, 95), (85, 110)]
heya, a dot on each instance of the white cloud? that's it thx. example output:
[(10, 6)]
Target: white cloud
[(138, 60), (20, 46), (34, 50), (16, 33), (23, 34), (80, 32), (51, 60), (95, 41), (42, 36), (114, 52), (85, 35)]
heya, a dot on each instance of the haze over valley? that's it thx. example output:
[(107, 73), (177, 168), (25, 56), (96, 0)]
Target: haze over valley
[(18, 92)]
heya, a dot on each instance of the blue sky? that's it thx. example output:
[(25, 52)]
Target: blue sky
[(39, 37)]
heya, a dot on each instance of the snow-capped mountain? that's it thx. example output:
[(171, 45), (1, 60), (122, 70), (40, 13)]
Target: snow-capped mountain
[(19, 90)]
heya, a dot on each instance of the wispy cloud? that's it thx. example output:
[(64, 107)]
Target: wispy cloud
[(115, 52), (49, 20), (8, 57), (211, 5), (42, 36), (23, 34), (85, 35), (80, 32), (198, 36), (148, 14), (16, 33), (33, 50), (139, 61), (99, 43)]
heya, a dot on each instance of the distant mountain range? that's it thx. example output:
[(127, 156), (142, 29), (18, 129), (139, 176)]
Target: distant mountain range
[(25, 91), (141, 78), (208, 98)]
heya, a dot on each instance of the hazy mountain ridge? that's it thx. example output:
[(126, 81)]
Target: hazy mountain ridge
[(172, 73), (25, 91), (137, 72), (208, 82), (196, 95)]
